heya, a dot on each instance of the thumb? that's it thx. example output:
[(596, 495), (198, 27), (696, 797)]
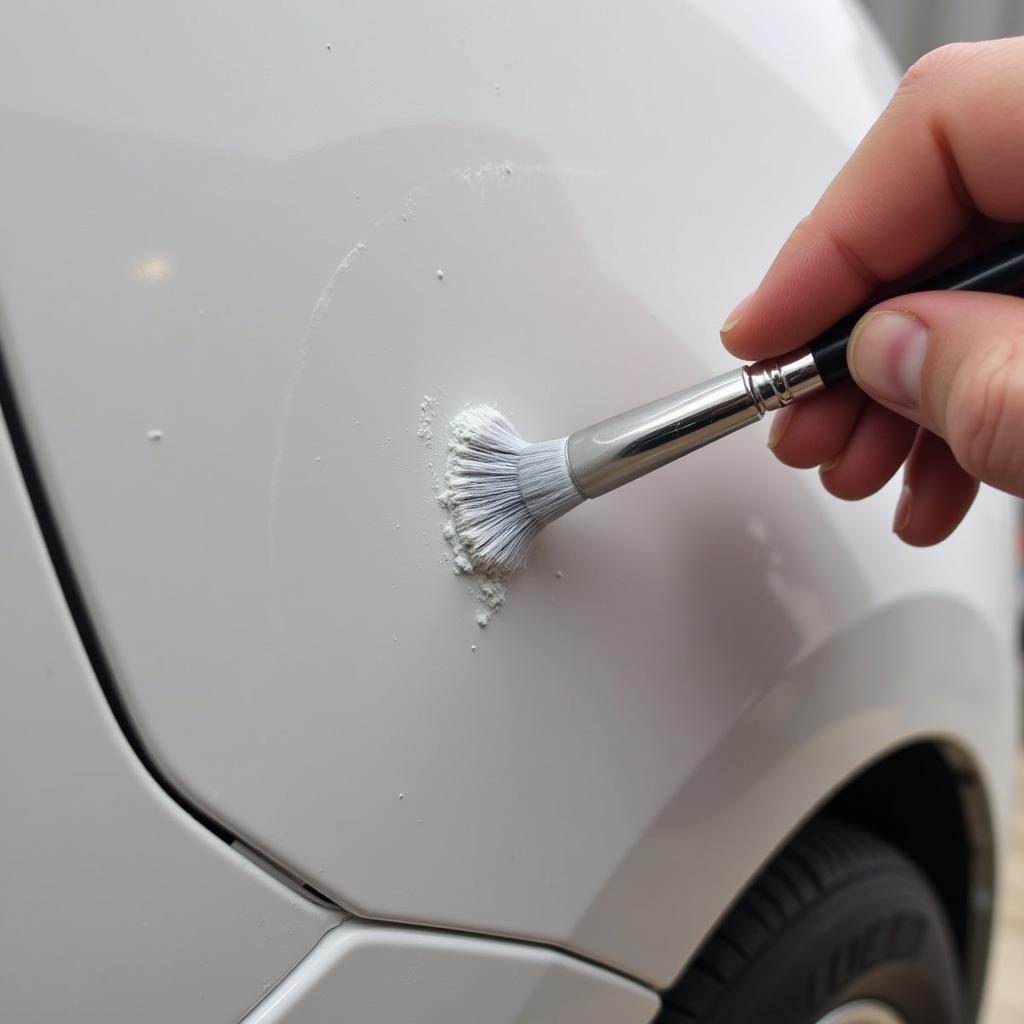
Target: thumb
[(952, 362)]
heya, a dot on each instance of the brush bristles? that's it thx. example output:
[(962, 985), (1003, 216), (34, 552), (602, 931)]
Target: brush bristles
[(502, 490)]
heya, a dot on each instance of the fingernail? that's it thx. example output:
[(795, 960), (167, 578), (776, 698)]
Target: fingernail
[(886, 354), (826, 466), (902, 516), (780, 422), (735, 316)]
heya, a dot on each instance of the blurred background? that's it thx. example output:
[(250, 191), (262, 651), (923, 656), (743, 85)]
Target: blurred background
[(912, 28)]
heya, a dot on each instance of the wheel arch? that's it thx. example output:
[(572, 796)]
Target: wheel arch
[(927, 798)]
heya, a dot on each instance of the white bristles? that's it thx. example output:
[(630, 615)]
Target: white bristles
[(502, 490)]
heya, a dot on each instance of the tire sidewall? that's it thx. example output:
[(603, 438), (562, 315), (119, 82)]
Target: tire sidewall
[(880, 936)]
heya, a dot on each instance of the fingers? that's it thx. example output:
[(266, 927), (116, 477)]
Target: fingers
[(950, 146), (953, 363), (937, 492), (857, 444), (817, 429), (878, 446)]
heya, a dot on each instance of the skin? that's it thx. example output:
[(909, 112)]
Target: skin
[(938, 177)]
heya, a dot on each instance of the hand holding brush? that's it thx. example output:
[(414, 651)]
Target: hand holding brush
[(939, 373)]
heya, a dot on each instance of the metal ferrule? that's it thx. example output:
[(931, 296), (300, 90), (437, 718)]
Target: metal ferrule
[(617, 450)]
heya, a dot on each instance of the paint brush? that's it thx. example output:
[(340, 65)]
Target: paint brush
[(502, 490)]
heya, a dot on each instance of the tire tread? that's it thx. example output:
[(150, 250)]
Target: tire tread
[(826, 855)]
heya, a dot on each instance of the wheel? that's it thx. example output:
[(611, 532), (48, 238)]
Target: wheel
[(839, 929)]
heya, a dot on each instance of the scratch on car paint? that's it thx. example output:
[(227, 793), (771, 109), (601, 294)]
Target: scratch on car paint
[(475, 175), (320, 308)]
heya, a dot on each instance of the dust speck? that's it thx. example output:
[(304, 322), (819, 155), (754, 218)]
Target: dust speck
[(401, 796), (440, 274), (472, 647), (154, 435), (559, 574)]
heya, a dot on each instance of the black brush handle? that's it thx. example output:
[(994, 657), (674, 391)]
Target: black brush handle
[(999, 270)]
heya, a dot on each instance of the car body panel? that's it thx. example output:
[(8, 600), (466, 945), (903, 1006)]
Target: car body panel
[(254, 261), (382, 975), (117, 904)]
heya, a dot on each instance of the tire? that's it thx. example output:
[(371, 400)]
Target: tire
[(838, 917)]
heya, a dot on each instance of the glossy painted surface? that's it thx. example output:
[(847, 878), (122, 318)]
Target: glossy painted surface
[(228, 228), (370, 975), (116, 905)]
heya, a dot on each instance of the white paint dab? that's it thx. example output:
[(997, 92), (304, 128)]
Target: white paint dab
[(490, 590), (425, 431)]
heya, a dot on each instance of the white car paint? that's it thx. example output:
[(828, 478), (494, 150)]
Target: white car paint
[(117, 905), (225, 225)]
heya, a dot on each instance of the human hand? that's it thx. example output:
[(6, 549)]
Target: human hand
[(938, 177)]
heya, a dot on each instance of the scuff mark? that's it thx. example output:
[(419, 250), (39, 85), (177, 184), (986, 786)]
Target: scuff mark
[(323, 303), (482, 175), (477, 176)]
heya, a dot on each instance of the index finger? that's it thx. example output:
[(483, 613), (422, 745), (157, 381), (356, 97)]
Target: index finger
[(949, 146)]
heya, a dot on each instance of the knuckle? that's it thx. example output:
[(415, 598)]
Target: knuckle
[(986, 415)]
